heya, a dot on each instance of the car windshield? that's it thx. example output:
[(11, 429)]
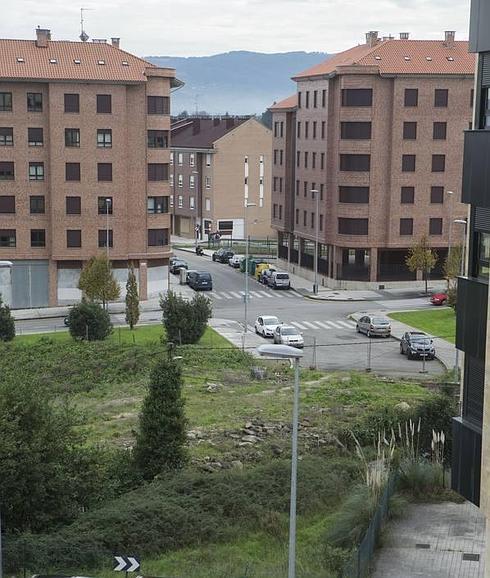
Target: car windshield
[(380, 321), (282, 276), (421, 339), (204, 276), (178, 262), (290, 331), (271, 321)]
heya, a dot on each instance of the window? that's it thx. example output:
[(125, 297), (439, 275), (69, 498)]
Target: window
[(192, 203), (439, 131), (355, 162), (307, 99), (355, 130), (351, 194), (353, 226), (305, 217), (6, 136), (180, 159), (315, 98), (274, 210), (435, 226), (207, 204), (104, 103), (34, 102), (324, 98), (36, 171), (482, 255), (437, 195), (225, 227), (472, 97), (322, 188), (192, 159), (7, 204), (158, 104), (305, 189), (280, 212), (104, 205), (440, 97), (37, 205), (297, 188), (322, 160), (313, 160), (104, 138), (298, 153), (38, 238), (171, 158), (299, 99), (408, 163), (306, 159), (438, 163), (411, 97), (72, 137), (307, 129), (208, 159), (73, 205), (207, 182), (297, 217), (280, 184), (8, 238), (5, 102), (409, 130), (321, 223), (72, 103), (314, 129), (406, 226), (324, 125), (157, 205), (35, 137), (180, 180), (171, 200), (157, 139), (281, 157), (312, 221), (276, 128), (274, 183), (104, 171), (157, 237), (298, 129), (192, 181), (7, 171), (157, 172), (73, 238), (275, 157), (105, 234), (72, 171), (407, 195), (180, 203), (357, 97)]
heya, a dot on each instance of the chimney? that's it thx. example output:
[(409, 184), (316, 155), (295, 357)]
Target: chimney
[(42, 37), (196, 125), (115, 42), (230, 121), (371, 38), (404, 35), (449, 38)]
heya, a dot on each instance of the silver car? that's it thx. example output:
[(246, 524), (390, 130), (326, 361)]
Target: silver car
[(288, 335), (266, 325), (374, 325)]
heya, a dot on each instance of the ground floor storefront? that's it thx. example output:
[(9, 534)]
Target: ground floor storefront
[(339, 265)]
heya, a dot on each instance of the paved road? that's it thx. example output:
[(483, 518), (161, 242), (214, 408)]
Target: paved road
[(338, 346)]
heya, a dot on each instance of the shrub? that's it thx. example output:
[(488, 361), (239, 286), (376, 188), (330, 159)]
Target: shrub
[(185, 321), (97, 281), (422, 479), (89, 321), (7, 323), (132, 299)]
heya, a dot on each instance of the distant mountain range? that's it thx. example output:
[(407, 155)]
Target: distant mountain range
[(237, 82)]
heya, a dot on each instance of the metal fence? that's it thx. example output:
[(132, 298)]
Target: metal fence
[(360, 563), (267, 246)]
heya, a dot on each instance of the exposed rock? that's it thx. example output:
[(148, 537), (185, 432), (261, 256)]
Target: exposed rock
[(276, 450), (244, 444), (213, 387), (249, 431), (251, 439), (237, 464), (403, 406)]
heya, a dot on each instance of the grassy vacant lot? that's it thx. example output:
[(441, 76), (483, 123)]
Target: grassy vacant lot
[(437, 322)]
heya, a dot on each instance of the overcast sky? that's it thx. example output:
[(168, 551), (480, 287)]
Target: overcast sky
[(200, 27)]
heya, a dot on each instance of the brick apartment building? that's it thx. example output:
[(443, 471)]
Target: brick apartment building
[(84, 162), (377, 130), (215, 162)]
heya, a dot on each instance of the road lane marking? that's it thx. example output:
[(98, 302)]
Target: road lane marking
[(256, 294), (323, 325), (237, 295), (215, 295), (345, 324), (309, 324), (298, 325), (225, 295)]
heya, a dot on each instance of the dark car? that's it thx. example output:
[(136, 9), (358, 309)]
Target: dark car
[(200, 281), (177, 265), (222, 255), (417, 344)]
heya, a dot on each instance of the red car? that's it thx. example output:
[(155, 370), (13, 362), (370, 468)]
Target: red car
[(438, 299)]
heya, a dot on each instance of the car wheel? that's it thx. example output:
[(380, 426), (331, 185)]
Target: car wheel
[(401, 349), (368, 333), (409, 355), (357, 329)]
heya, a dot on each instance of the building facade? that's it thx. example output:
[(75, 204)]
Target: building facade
[(84, 166), (217, 162), (377, 130)]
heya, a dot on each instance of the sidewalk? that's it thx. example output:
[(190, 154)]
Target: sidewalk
[(445, 351)]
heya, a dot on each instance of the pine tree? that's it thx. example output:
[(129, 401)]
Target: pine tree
[(422, 258), (161, 439), (7, 323), (97, 280), (132, 299)]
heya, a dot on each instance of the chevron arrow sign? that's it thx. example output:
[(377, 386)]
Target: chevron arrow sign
[(126, 564)]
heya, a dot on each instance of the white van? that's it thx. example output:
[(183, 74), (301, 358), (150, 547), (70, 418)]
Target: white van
[(280, 280)]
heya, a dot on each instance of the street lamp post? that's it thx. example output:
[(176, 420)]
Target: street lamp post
[(316, 196), (462, 272), (197, 220), (107, 204), (287, 352), (451, 197), (245, 232)]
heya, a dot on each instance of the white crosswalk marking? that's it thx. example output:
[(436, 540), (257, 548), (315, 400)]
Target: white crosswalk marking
[(256, 294), (347, 324), (268, 295), (309, 324), (215, 295), (225, 295), (298, 325), (323, 325), (237, 295), (333, 324)]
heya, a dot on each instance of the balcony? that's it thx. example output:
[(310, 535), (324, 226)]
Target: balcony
[(466, 460), (476, 168), (471, 316)]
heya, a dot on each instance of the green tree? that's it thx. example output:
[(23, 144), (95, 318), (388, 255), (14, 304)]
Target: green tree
[(452, 268), (132, 299), (161, 437), (185, 321), (422, 258), (89, 321), (97, 280), (7, 323)]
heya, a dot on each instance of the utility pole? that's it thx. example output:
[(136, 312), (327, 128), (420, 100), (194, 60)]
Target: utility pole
[(316, 196), (245, 229)]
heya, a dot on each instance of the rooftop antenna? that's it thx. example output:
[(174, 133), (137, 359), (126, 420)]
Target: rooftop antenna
[(83, 35)]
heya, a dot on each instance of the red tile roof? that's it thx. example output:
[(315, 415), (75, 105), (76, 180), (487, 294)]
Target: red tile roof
[(395, 56), (36, 62), (287, 103)]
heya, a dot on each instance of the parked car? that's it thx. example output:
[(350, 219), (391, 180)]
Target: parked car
[(439, 299), (266, 325), (280, 280), (200, 281), (177, 265), (222, 255), (417, 344), (288, 335), (266, 276), (374, 325), (189, 271), (262, 267), (235, 261)]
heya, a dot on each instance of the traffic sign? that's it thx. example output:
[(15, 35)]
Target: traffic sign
[(126, 564)]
